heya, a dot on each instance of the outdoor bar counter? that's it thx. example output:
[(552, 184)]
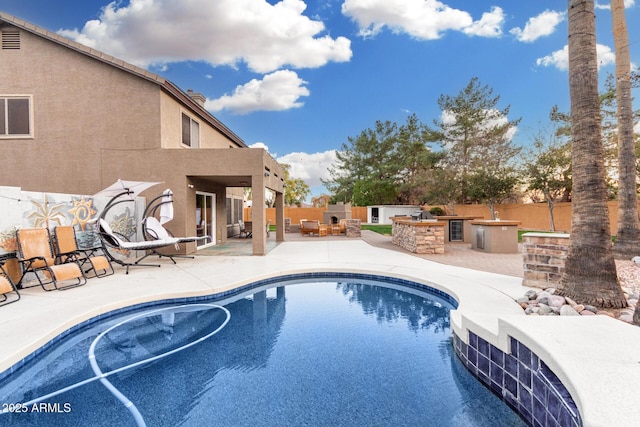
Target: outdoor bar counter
[(495, 236), (421, 237)]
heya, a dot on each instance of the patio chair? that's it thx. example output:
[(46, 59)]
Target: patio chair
[(244, 230), (111, 239), (7, 288), (36, 255), (66, 246)]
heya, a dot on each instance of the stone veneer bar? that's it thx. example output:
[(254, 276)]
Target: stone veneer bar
[(420, 237)]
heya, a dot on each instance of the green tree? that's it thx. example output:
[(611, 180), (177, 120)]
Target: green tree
[(548, 172), (417, 162), (295, 190), (385, 165), (475, 134), (492, 186), (590, 271)]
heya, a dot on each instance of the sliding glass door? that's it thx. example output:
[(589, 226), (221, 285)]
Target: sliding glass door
[(206, 218)]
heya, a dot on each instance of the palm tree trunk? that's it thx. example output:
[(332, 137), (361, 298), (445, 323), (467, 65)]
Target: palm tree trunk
[(628, 236), (590, 271)]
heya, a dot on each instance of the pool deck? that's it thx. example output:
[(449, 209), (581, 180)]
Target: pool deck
[(597, 358)]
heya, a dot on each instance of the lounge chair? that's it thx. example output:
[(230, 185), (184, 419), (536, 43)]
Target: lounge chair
[(7, 288), (154, 231), (36, 255), (111, 239), (67, 249)]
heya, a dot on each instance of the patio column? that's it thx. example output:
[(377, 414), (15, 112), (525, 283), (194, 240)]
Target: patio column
[(258, 214), (279, 217)]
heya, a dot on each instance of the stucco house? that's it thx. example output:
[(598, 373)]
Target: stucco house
[(74, 120)]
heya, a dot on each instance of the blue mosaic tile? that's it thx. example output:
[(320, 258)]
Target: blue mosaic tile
[(524, 375), (497, 356), (529, 387), (496, 374), (483, 364), (483, 347), (511, 365)]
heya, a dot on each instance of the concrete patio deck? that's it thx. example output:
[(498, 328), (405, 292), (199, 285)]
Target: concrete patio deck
[(597, 358)]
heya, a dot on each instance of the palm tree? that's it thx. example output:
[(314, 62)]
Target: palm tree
[(590, 271), (628, 236)]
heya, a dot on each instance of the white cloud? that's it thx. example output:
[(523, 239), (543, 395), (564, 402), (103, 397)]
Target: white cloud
[(490, 25), (280, 90), (223, 32), (422, 19), (310, 167), (539, 26), (560, 58), (627, 4)]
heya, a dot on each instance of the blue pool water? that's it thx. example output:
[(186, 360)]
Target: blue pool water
[(343, 352)]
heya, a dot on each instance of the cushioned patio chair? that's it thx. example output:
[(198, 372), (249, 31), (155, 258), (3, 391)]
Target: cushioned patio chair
[(8, 291), (35, 253), (66, 246), (153, 231), (112, 240)]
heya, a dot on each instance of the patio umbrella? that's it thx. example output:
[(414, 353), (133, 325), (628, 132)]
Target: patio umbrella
[(119, 189)]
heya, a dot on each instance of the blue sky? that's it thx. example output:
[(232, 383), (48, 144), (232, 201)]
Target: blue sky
[(300, 77)]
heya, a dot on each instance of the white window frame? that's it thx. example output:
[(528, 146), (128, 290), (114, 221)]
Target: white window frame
[(194, 131), (6, 135)]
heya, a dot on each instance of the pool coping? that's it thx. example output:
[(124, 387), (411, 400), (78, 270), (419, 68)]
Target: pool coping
[(596, 358)]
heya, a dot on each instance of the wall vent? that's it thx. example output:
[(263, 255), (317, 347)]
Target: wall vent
[(10, 38)]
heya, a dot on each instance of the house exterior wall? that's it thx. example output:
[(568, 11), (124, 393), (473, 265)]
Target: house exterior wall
[(171, 127), (81, 107), (97, 119)]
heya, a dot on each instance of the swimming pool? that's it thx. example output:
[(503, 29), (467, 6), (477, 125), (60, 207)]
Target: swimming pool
[(320, 351)]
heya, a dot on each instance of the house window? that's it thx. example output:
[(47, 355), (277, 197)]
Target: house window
[(15, 116), (190, 131)]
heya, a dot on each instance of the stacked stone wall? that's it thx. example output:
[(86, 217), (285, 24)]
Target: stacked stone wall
[(543, 260), (418, 237), (354, 228)]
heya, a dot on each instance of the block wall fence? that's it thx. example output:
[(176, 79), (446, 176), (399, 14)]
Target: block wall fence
[(532, 216)]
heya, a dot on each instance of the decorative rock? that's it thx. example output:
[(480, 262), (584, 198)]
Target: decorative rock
[(633, 301), (571, 302), (531, 294), (551, 291), (579, 308), (544, 294), (531, 310), (587, 313), (604, 313), (626, 318), (544, 310), (591, 308), (556, 301), (523, 304), (524, 300), (567, 310)]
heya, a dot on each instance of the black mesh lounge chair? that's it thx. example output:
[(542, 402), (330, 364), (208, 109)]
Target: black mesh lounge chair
[(8, 290), (36, 255), (67, 248), (111, 239)]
